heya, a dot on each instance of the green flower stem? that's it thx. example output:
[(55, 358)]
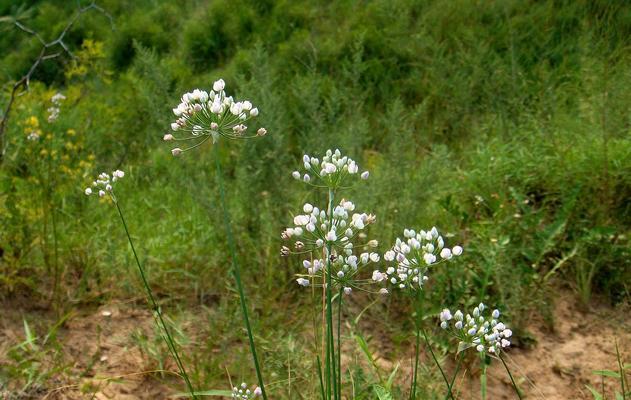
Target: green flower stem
[(453, 379), (330, 353), (236, 271), (157, 312), (419, 306), (339, 344), (511, 377), (483, 379), (429, 346)]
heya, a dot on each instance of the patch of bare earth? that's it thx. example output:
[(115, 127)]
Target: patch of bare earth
[(103, 362)]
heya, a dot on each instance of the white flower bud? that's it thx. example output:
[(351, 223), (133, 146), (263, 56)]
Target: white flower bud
[(303, 282), (88, 191), (176, 151), (219, 85), (261, 132), (457, 250), (296, 174), (383, 291), (168, 137), (365, 174), (101, 193)]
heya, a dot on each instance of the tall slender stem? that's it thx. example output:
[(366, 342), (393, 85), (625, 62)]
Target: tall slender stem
[(339, 344), (483, 379), (419, 306), (236, 271), (453, 379), (330, 354), (156, 308), (511, 377), (442, 372)]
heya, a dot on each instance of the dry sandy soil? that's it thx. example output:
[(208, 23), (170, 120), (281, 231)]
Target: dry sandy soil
[(104, 363)]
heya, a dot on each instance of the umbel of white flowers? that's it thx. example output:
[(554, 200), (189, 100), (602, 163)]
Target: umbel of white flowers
[(104, 184), (333, 171), (485, 334), (412, 256), (243, 393), (53, 112), (203, 115), (316, 228)]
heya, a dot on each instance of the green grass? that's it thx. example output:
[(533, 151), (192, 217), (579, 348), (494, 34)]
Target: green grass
[(506, 122)]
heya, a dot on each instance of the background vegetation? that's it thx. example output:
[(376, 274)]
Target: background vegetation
[(506, 123)]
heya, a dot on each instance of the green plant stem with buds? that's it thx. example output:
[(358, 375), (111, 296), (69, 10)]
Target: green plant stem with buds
[(157, 312), (236, 271), (517, 391)]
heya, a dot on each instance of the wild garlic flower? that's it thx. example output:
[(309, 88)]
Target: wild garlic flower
[(484, 333), (33, 136), (412, 256), (243, 393), (104, 184), (203, 115), (333, 171), (53, 112), (317, 228)]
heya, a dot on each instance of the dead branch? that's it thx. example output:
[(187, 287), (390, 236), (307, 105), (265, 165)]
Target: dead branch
[(47, 52)]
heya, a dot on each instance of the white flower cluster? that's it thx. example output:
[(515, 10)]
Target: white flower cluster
[(332, 171), (412, 256), (485, 334), (316, 228), (33, 136), (104, 184), (203, 115), (53, 112), (243, 393)]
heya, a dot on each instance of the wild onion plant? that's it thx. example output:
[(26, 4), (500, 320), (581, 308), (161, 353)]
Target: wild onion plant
[(202, 116), (486, 334), (104, 187), (410, 260), (334, 248)]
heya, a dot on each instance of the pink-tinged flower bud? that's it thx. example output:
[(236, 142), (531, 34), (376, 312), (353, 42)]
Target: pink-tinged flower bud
[(175, 126), (168, 137), (383, 291), (176, 151), (214, 126), (101, 193), (364, 175)]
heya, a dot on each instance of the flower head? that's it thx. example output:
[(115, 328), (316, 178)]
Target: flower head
[(411, 257), (313, 232), (242, 392), (333, 171), (104, 184), (475, 330), (53, 112), (203, 115)]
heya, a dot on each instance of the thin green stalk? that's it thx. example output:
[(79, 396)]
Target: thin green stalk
[(236, 271), (511, 377), (429, 346), (419, 306), (156, 308), (330, 354), (621, 371), (339, 344), (320, 376), (453, 379), (483, 380)]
